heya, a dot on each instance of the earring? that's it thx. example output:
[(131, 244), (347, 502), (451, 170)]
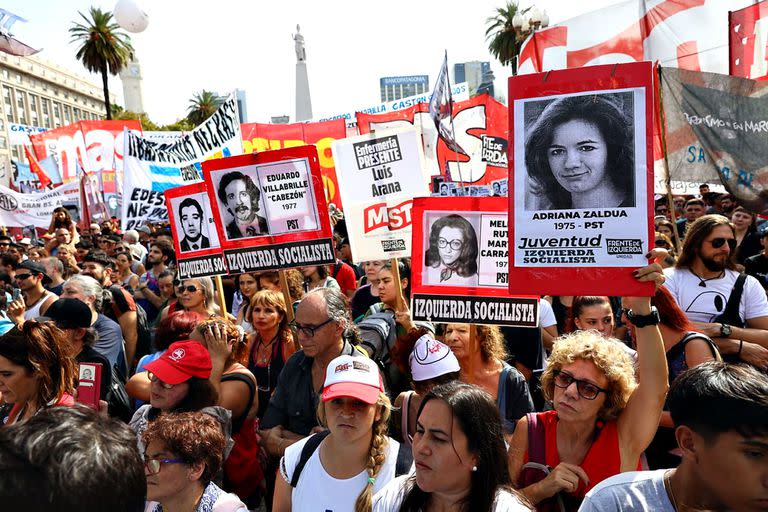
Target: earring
[(474, 468)]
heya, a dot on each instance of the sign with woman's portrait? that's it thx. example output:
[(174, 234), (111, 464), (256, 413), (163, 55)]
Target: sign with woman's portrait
[(198, 251), (581, 174), (459, 264)]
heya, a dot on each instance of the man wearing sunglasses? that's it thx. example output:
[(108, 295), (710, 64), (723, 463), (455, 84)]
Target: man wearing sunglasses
[(30, 278), (321, 319), (705, 277)]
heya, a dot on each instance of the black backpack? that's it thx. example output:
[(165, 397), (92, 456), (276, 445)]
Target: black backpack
[(118, 401), (403, 464)]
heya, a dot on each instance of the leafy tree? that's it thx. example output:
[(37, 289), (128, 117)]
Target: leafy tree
[(202, 106), (504, 41), (104, 48)]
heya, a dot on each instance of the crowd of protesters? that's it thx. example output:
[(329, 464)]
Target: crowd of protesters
[(320, 392)]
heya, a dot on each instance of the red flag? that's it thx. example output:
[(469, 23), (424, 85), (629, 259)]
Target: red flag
[(38, 171)]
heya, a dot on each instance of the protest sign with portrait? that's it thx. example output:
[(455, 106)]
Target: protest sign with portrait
[(269, 209), (581, 180), (379, 175), (195, 239), (459, 264)]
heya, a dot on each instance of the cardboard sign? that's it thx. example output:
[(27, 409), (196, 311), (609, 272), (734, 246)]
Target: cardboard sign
[(380, 173), (459, 264), (270, 210), (195, 238), (581, 180)]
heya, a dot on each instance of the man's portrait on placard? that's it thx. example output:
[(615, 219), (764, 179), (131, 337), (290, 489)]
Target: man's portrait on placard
[(191, 217), (241, 206), (451, 258), (580, 151)]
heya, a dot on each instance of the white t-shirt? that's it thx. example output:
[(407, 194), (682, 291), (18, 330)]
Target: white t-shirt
[(633, 491), (546, 314), (704, 303), (391, 498), (317, 490)]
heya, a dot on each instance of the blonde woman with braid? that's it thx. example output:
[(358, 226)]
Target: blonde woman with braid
[(342, 468)]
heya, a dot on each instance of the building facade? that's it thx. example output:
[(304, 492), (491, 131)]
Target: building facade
[(41, 94), (478, 76), (397, 87)]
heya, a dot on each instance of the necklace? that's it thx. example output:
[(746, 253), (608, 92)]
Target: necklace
[(267, 358), (703, 282), (668, 487)]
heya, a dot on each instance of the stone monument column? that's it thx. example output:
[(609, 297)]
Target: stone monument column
[(303, 100)]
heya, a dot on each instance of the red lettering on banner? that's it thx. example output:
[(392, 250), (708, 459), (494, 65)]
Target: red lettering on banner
[(400, 215), (375, 217), (378, 216)]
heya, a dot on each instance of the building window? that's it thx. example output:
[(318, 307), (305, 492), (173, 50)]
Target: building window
[(56, 111), (77, 114), (15, 153), (18, 78), (6, 75), (67, 114), (3, 142)]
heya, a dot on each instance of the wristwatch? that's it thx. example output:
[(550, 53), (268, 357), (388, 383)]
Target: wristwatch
[(651, 318), (725, 330)]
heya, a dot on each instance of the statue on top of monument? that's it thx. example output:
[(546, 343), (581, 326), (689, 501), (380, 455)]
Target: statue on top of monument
[(301, 53)]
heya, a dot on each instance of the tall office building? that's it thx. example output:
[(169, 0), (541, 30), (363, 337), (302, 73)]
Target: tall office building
[(396, 87), (40, 94), (478, 76), (242, 106)]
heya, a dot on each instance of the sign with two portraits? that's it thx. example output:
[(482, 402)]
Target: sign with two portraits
[(269, 210)]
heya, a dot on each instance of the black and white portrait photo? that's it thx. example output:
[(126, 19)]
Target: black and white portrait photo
[(240, 206), (451, 258), (192, 219), (580, 151)]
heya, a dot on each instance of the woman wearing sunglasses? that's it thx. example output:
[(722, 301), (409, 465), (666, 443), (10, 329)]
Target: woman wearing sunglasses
[(602, 418), (183, 454), (197, 296)]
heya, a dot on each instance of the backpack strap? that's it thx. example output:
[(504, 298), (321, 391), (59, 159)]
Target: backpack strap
[(306, 452), (732, 307), (502, 393), (404, 460), (248, 381), (689, 336), (536, 443)]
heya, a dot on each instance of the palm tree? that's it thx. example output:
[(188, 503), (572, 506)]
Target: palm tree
[(202, 106), (505, 41), (104, 47)]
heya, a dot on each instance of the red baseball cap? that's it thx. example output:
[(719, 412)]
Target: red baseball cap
[(182, 361)]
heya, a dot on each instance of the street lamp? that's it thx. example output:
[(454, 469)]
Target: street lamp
[(525, 23)]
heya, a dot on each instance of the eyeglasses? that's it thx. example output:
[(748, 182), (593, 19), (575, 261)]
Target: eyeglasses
[(5, 244), (662, 211), (586, 389), (190, 288), (455, 244), (120, 250), (154, 465), (718, 242), (21, 277), (154, 378), (308, 330)]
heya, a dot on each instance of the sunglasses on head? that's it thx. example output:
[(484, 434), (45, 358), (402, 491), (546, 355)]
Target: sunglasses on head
[(719, 242)]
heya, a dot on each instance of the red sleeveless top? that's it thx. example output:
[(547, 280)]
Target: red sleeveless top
[(603, 459)]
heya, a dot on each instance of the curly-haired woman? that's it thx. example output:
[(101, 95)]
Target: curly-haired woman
[(602, 418)]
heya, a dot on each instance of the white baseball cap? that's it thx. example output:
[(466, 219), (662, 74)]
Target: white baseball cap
[(356, 377), (430, 359)]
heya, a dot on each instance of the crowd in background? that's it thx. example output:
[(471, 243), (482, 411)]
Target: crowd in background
[(323, 393)]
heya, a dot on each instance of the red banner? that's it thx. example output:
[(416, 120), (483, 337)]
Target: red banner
[(481, 129), (688, 34), (748, 42), (97, 145), (259, 137)]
